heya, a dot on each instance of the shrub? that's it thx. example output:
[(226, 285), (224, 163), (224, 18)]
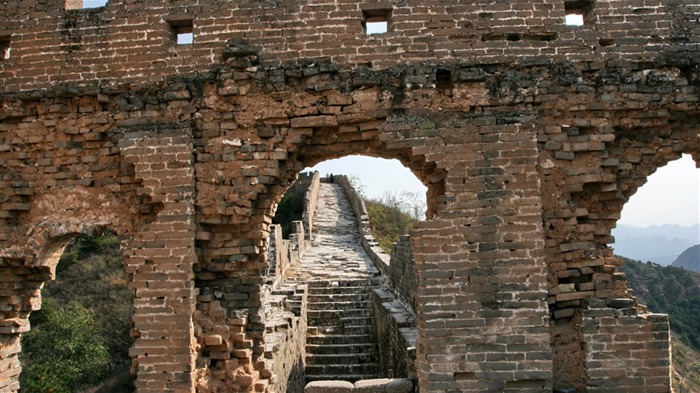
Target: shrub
[(65, 352)]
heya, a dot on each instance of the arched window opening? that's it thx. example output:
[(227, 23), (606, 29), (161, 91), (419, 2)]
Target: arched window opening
[(80, 338), (662, 219), (393, 195), (355, 291), (658, 238)]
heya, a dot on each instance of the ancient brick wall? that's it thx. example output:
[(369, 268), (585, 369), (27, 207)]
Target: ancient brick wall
[(402, 271), (492, 223), (530, 135), (634, 358), (285, 344), (395, 325), (310, 201), (137, 41)]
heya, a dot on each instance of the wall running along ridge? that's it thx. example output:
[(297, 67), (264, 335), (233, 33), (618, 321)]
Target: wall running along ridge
[(530, 135)]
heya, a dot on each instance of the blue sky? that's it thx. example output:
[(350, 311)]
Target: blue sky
[(94, 3), (670, 196)]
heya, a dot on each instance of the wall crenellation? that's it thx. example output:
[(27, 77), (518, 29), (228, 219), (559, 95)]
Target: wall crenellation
[(82, 46)]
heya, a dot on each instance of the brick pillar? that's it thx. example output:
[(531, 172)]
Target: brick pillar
[(161, 258), (482, 315), (19, 296)]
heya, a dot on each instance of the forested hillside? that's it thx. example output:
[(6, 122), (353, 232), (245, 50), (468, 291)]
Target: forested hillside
[(689, 259), (676, 292), (80, 338)]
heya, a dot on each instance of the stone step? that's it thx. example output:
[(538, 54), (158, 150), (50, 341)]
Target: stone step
[(357, 321), (341, 369), (340, 297), (340, 290), (357, 313), (333, 339), (318, 330), (349, 378), (319, 306), (337, 359), (330, 315), (332, 349), (356, 330), (330, 320), (337, 314), (321, 286)]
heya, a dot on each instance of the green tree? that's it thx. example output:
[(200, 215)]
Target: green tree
[(65, 352), (91, 274), (390, 218)]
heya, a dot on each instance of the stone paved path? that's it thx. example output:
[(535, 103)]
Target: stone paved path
[(335, 252), (340, 339)]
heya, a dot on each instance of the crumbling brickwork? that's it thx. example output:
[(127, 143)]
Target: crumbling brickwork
[(530, 135)]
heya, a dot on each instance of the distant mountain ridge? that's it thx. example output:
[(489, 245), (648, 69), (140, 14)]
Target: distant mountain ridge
[(689, 259), (657, 243)]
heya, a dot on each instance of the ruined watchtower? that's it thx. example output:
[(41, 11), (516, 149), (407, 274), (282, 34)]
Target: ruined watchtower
[(530, 134)]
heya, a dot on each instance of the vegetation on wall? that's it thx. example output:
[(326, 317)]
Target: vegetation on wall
[(393, 216), (66, 351), (81, 336)]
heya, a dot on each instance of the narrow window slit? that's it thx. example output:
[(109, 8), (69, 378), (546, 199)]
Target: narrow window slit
[(4, 47), (182, 28), (84, 4), (443, 79), (578, 12), (376, 21)]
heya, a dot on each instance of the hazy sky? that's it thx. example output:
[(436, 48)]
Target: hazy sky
[(670, 196), (376, 175)]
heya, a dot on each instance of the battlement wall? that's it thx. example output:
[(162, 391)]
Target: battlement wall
[(42, 43)]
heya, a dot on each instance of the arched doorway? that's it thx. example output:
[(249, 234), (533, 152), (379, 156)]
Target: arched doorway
[(657, 237), (80, 338), (334, 254), (661, 219)]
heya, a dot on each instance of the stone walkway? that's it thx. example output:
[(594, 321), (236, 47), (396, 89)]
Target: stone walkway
[(340, 339), (335, 252)]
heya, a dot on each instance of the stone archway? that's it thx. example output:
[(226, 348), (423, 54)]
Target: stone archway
[(56, 219), (248, 234), (591, 162), (483, 229)]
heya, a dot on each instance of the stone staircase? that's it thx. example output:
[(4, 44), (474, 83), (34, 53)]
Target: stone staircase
[(340, 340)]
